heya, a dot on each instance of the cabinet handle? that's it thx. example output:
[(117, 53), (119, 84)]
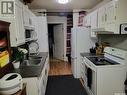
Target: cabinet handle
[(45, 71), (44, 82), (115, 17), (102, 18), (105, 17)]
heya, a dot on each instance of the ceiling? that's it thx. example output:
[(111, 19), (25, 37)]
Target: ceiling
[(53, 5)]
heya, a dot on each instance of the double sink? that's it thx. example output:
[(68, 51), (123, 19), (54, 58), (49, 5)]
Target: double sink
[(32, 61)]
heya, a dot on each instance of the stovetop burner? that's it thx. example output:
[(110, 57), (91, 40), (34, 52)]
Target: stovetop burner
[(99, 59), (102, 61)]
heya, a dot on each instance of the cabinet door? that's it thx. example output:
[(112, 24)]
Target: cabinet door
[(94, 22), (25, 16), (41, 90), (94, 19), (42, 82), (101, 17), (110, 16), (87, 20), (83, 71), (31, 14), (110, 12), (20, 32)]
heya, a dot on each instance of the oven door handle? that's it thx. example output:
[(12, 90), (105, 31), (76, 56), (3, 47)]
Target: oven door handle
[(90, 66)]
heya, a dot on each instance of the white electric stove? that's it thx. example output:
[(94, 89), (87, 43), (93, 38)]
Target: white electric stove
[(108, 73)]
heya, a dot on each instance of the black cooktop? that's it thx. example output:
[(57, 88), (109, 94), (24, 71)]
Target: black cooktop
[(102, 61)]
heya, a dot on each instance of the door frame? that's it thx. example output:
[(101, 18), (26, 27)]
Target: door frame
[(62, 42), (64, 32)]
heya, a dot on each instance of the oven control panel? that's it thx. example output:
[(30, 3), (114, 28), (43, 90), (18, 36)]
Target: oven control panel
[(116, 52)]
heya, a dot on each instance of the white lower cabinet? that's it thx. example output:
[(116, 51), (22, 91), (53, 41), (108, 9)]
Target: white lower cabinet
[(37, 85)]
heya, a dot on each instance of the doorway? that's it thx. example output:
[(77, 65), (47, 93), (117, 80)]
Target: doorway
[(56, 41)]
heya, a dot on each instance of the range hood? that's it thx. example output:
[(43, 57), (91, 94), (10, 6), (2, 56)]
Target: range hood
[(101, 31)]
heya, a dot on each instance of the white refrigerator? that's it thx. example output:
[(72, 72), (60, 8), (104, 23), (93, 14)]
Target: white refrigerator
[(80, 42)]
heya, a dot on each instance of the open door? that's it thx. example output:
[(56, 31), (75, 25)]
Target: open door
[(58, 51)]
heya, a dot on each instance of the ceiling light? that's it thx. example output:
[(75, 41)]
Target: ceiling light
[(63, 1)]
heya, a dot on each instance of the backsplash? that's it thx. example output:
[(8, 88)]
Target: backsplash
[(115, 40)]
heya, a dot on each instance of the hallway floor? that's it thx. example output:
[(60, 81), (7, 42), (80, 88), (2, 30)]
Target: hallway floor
[(58, 67), (61, 80)]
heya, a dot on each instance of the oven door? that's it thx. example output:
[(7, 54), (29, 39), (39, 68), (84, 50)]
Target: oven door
[(90, 77)]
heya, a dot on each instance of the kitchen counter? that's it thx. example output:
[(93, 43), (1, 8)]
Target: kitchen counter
[(32, 71), (84, 54)]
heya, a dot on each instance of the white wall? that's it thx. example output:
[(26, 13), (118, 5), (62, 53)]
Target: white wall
[(118, 41), (58, 20)]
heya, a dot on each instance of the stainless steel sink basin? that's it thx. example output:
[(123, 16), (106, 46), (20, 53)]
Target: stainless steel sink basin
[(35, 58), (34, 62), (31, 62)]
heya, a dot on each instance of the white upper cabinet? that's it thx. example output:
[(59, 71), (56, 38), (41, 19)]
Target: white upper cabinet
[(19, 25), (93, 22), (115, 15), (101, 17), (87, 20), (18, 15), (109, 16), (94, 19), (17, 32), (27, 15)]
